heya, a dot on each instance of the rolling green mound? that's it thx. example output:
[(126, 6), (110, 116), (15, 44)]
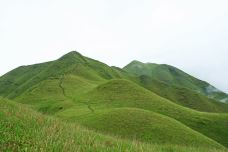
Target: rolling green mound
[(146, 126), (23, 129), (123, 93), (46, 97), (173, 76)]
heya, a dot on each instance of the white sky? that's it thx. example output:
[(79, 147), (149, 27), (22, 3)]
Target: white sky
[(189, 34)]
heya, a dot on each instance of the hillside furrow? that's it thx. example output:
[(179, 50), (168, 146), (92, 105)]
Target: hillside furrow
[(61, 85), (90, 108), (88, 105), (64, 94)]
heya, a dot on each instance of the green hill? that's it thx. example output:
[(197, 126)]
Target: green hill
[(182, 96), (73, 68), (19, 80), (90, 93), (167, 74), (173, 76), (25, 130), (147, 126), (123, 93)]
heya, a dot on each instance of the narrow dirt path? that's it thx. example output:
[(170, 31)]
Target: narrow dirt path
[(61, 85), (64, 94), (91, 108)]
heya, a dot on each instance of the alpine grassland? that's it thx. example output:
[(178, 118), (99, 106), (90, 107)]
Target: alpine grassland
[(76, 103), (23, 129)]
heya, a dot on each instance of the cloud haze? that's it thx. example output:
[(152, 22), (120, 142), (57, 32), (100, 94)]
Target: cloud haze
[(191, 35)]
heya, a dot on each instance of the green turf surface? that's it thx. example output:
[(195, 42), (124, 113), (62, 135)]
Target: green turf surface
[(182, 96), (23, 129), (123, 93), (158, 106)]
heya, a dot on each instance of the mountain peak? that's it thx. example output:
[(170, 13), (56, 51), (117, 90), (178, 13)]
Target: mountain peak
[(73, 55), (136, 62)]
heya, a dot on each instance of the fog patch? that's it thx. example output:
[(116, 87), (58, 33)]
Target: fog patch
[(138, 66), (211, 89), (225, 100)]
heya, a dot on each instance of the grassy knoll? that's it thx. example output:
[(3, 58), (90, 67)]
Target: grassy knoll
[(123, 93), (146, 126)]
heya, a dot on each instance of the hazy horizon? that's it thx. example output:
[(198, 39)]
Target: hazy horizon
[(190, 35)]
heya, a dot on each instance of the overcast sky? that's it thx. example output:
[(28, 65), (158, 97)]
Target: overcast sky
[(189, 34)]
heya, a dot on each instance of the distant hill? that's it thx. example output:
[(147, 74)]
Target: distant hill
[(173, 76), (182, 96)]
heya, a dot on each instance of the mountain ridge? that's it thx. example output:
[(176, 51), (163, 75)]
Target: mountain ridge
[(79, 89), (172, 75)]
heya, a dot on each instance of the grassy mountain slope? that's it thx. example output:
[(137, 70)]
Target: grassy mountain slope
[(83, 72), (165, 73), (15, 78), (147, 126), (77, 88), (123, 93), (70, 105), (182, 96), (173, 76), (25, 130), (19, 80)]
